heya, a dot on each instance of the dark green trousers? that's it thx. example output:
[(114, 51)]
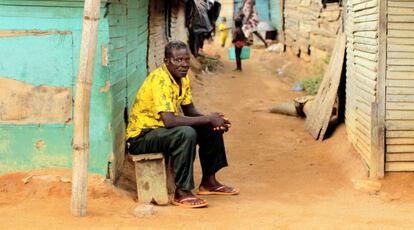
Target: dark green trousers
[(179, 143)]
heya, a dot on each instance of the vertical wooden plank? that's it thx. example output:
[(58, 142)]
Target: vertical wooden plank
[(82, 106), (378, 129), (118, 46), (375, 159), (317, 120), (282, 22)]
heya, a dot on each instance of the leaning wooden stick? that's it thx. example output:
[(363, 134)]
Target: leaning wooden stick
[(82, 103)]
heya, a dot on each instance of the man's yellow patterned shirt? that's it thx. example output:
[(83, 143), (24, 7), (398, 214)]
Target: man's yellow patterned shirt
[(158, 93)]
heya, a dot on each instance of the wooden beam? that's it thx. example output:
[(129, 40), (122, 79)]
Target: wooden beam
[(317, 120), (399, 166), (282, 22), (82, 104), (377, 168)]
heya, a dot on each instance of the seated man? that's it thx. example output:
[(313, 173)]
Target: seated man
[(156, 125)]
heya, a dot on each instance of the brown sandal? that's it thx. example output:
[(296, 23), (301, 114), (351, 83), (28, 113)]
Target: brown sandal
[(188, 202), (221, 190)]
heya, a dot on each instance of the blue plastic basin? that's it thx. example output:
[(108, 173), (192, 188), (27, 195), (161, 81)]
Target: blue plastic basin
[(245, 54)]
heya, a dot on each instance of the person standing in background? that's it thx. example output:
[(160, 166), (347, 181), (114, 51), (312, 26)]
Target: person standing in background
[(239, 41), (250, 18), (198, 24), (224, 31)]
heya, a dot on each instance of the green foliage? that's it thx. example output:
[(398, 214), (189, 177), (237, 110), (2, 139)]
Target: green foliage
[(311, 85), (327, 59), (209, 62)]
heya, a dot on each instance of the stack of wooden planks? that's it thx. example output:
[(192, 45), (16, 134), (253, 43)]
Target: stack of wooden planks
[(311, 28)]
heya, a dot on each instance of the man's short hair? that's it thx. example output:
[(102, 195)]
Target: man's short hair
[(173, 45), (238, 22)]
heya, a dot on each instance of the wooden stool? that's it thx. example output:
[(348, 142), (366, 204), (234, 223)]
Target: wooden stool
[(155, 178)]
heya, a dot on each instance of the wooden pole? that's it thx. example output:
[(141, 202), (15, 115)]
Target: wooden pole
[(378, 128), (82, 102), (281, 34)]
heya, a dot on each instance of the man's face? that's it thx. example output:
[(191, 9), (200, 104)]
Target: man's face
[(179, 62)]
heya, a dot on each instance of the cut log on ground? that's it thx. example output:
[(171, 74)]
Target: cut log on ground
[(287, 108), (300, 106)]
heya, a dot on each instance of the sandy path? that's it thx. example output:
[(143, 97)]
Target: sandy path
[(287, 180)]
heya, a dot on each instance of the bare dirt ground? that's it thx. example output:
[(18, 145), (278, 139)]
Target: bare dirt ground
[(287, 180)]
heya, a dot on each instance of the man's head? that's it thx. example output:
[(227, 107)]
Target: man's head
[(223, 19), (177, 58), (238, 22)]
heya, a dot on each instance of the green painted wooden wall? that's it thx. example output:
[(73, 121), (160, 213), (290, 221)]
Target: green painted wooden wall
[(275, 14), (52, 60), (128, 36)]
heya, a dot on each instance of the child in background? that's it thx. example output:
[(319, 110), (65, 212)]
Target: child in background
[(224, 31), (239, 41)]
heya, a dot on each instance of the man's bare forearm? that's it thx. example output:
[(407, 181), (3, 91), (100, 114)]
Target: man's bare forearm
[(191, 111), (170, 120)]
